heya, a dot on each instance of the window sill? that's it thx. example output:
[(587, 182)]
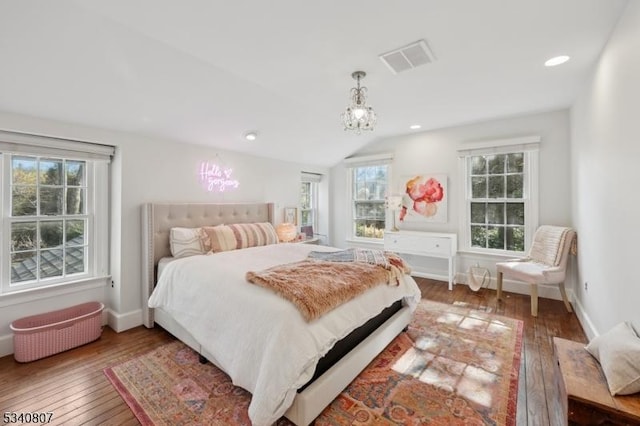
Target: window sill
[(38, 293), (490, 255)]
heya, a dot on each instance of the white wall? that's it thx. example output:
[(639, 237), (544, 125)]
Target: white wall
[(436, 152), (605, 127), (166, 171), (146, 170)]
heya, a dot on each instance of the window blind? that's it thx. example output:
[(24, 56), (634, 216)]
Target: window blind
[(500, 146), (369, 160), (24, 143), (310, 177)]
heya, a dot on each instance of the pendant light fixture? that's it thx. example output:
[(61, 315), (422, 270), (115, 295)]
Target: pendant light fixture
[(358, 116)]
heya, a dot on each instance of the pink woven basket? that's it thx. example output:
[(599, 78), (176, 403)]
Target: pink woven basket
[(39, 336)]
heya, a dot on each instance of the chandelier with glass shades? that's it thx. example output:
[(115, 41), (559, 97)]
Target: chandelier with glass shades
[(358, 116)]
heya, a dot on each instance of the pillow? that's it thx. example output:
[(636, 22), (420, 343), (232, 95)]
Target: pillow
[(221, 238), (618, 352), (185, 242), (241, 235)]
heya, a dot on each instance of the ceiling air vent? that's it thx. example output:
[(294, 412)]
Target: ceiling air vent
[(408, 57)]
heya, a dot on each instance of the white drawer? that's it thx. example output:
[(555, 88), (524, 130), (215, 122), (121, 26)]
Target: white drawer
[(418, 244), (428, 244)]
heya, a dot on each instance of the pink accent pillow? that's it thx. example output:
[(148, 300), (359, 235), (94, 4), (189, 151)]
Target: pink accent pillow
[(240, 235)]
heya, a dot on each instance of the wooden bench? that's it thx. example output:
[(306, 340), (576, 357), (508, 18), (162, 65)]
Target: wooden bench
[(586, 397)]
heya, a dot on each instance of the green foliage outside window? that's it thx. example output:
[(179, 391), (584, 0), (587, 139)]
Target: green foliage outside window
[(48, 230), (497, 201), (369, 190), (370, 229)]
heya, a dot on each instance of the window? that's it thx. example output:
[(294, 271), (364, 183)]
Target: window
[(370, 179), (55, 217), (308, 203), (309, 197), (501, 194)]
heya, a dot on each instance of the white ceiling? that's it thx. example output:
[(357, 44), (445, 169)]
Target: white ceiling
[(207, 71)]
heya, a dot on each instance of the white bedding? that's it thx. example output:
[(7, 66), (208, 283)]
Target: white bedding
[(162, 263), (258, 338)]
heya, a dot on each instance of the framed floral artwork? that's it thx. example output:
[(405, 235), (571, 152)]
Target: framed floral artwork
[(424, 198)]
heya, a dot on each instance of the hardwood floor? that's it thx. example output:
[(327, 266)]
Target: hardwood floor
[(73, 387), (539, 402)]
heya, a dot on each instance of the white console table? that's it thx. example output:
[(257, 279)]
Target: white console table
[(427, 244)]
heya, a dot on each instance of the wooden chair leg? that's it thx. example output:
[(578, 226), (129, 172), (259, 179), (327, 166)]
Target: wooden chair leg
[(534, 300), (564, 298), (499, 285)]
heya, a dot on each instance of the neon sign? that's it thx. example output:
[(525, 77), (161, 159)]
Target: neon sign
[(216, 178)]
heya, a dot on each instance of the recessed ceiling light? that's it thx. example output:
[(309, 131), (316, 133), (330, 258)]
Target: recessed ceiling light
[(556, 61), (251, 136), (415, 126)]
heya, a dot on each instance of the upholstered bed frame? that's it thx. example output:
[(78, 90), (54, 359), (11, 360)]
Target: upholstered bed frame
[(157, 221)]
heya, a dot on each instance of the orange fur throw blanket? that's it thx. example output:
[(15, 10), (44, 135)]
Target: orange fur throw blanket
[(316, 287)]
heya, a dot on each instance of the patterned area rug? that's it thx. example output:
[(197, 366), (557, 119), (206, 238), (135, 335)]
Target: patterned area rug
[(454, 366)]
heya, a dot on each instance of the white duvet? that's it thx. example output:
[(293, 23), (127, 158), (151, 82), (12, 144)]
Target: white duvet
[(258, 338)]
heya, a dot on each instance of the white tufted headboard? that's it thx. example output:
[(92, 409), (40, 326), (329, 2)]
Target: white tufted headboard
[(159, 218)]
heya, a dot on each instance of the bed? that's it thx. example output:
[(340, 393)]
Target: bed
[(295, 377)]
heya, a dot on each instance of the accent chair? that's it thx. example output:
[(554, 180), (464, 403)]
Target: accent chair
[(544, 264)]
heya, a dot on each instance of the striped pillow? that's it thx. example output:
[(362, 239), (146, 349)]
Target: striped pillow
[(185, 242), (241, 235)]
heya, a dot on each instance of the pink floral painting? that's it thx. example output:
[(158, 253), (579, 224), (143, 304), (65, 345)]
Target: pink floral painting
[(424, 197)]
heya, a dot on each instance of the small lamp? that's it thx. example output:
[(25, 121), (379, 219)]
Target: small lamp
[(286, 232), (394, 203)]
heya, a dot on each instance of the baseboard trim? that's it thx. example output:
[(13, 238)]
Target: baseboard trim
[(436, 277), (6, 345), (587, 325), (547, 292), (121, 322)]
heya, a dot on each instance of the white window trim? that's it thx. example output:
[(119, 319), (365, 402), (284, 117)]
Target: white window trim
[(362, 161), (97, 211), (530, 146), (37, 293)]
